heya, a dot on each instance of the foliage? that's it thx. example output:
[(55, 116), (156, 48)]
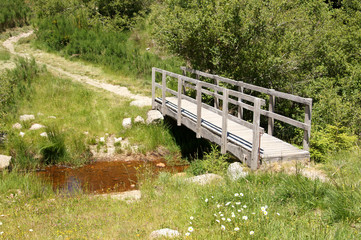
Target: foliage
[(212, 162), (300, 47), (331, 139), (13, 13), (53, 150)]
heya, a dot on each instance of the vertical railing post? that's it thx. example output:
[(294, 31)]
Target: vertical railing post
[(271, 108), (216, 99), (179, 112), (184, 72), (224, 121), (256, 134), (240, 108), (307, 133), (153, 88), (199, 109), (164, 86)]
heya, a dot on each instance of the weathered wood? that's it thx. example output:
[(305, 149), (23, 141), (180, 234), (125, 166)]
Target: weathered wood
[(252, 87), (224, 121), (240, 108), (307, 132), (199, 109), (164, 88), (216, 100), (184, 87), (284, 119), (256, 135), (179, 113), (153, 88), (271, 108)]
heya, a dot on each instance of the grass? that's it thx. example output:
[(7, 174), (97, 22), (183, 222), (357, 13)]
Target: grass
[(297, 208), (77, 109)]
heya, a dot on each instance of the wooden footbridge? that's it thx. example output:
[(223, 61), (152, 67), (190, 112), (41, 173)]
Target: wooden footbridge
[(245, 140)]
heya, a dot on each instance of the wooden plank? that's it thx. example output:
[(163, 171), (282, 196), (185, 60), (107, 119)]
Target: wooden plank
[(224, 121), (285, 119), (256, 135), (179, 113), (164, 87), (271, 108), (153, 88), (199, 109), (240, 108), (307, 132)]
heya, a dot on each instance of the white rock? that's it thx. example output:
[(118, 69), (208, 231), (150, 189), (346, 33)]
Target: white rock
[(235, 171), (127, 122), (147, 49), (53, 117), (165, 232), (119, 139), (21, 134), (44, 134), (139, 119), (154, 116), (102, 139), (205, 179), (17, 126), (27, 117), (36, 126), (4, 161)]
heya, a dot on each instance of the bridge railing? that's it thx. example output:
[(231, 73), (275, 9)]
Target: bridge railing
[(270, 113), (201, 87)]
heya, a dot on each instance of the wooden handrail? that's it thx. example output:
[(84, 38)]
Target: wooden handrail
[(270, 113)]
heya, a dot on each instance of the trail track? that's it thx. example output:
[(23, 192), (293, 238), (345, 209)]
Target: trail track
[(138, 100)]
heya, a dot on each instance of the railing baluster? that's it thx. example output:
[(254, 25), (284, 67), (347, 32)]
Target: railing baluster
[(224, 121), (179, 112), (307, 133), (256, 134), (216, 100), (240, 108), (164, 86), (271, 108), (153, 88), (184, 87), (199, 109)]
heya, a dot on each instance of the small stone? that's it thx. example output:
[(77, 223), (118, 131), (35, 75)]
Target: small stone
[(154, 116), (17, 126), (116, 140), (160, 165), (139, 119), (165, 232), (27, 117), (235, 171), (21, 134), (102, 139), (147, 49), (44, 134), (86, 133), (4, 161), (132, 185), (205, 179), (36, 126), (52, 117), (127, 122)]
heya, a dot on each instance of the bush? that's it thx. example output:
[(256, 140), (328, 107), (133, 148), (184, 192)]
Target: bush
[(53, 150), (13, 13)]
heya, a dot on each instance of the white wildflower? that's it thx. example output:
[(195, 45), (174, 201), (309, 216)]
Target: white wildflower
[(191, 218), (228, 219), (238, 203), (244, 206), (187, 234), (223, 227), (278, 214), (21, 134), (263, 209), (236, 194), (236, 229), (251, 232), (30, 230), (228, 203), (223, 219), (265, 212), (218, 221), (190, 229), (241, 194), (245, 218), (206, 200)]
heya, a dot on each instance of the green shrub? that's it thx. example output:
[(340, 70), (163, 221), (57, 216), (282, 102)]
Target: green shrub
[(13, 13), (331, 139), (53, 150)]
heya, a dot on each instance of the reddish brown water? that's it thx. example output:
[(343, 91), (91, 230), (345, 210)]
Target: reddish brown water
[(103, 177)]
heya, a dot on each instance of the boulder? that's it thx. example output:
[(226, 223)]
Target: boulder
[(127, 123), (164, 233), (36, 126), (236, 171), (4, 161), (27, 117), (154, 116), (139, 119), (205, 179), (17, 126)]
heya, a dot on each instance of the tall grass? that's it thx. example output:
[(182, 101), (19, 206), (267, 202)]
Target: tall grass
[(13, 13)]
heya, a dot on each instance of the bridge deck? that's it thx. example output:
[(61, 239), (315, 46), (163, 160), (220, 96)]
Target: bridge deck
[(271, 148)]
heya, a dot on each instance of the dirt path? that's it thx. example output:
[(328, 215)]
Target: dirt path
[(138, 100)]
